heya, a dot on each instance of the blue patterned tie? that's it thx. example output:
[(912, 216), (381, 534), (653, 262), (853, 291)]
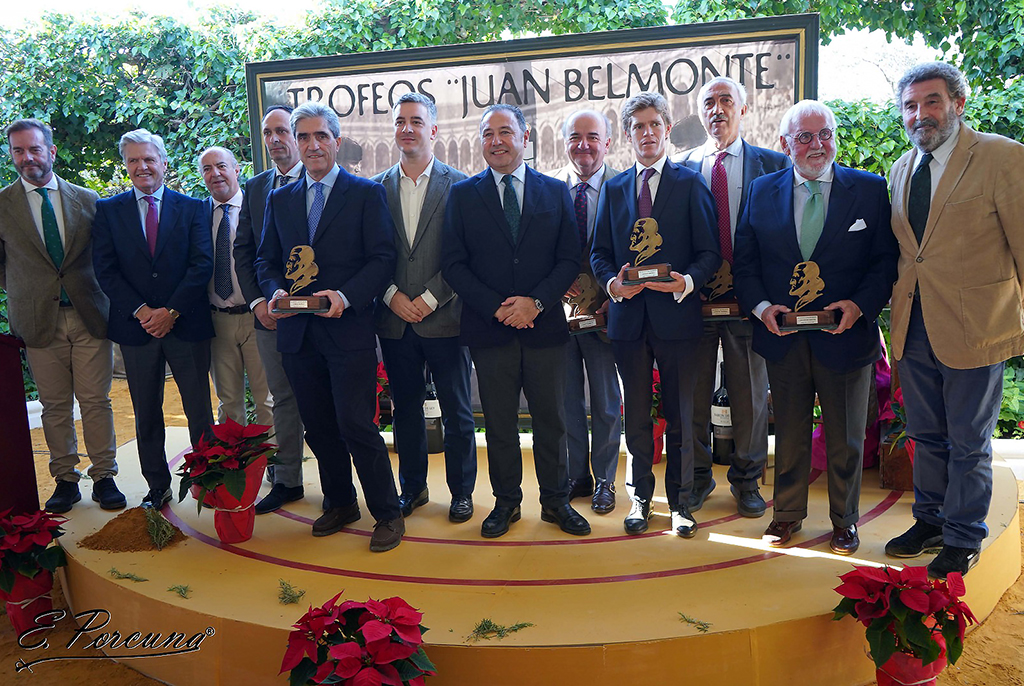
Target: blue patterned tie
[(316, 210), (222, 257), (511, 207)]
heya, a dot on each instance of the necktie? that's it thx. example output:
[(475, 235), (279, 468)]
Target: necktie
[(813, 219), (281, 180), (222, 257), (581, 213), (315, 210), (645, 205), (51, 235), (920, 199), (720, 191), (152, 225), (511, 207)]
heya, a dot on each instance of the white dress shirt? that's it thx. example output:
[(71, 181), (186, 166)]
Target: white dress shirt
[(733, 164), (35, 205)]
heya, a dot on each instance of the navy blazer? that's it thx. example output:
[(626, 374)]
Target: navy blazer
[(481, 264), (685, 213), (857, 262), (354, 251), (176, 277)]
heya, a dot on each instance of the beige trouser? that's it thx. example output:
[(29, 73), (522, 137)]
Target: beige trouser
[(76, 365), (233, 355)]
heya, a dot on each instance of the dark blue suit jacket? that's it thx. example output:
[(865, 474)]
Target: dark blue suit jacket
[(176, 277), (857, 265), (685, 213), (481, 264), (354, 251)]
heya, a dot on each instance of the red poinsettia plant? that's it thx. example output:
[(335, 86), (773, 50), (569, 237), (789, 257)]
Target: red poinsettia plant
[(656, 412), (25, 545), (358, 644), (223, 459), (904, 610)]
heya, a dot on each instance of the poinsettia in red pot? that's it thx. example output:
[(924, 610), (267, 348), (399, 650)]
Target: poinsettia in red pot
[(225, 473), (913, 623), (27, 563), (352, 644)]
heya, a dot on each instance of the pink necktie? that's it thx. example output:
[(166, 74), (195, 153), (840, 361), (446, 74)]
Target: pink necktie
[(644, 204), (720, 191), (152, 223)]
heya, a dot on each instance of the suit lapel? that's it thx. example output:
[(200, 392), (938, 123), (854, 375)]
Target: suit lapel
[(693, 160), (335, 202), (532, 190), (168, 221), (782, 197), (392, 183), (752, 168), (437, 184), (129, 211), (667, 184), (488, 191), (840, 202), (71, 209), (19, 209), (955, 168)]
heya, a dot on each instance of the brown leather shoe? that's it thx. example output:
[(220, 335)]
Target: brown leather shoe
[(387, 534), (778, 533), (845, 540), (334, 519)]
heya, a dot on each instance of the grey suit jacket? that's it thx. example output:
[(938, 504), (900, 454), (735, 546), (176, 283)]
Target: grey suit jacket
[(418, 266), (31, 279)]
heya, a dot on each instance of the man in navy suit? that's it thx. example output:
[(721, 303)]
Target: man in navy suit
[(656, 321), (331, 235), (728, 164), (286, 475), (511, 251), (817, 236), (153, 257)]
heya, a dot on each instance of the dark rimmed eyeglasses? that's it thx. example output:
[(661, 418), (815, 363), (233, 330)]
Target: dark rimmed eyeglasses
[(804, 137)]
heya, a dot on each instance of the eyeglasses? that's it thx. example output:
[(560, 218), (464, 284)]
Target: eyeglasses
[(804, 137)]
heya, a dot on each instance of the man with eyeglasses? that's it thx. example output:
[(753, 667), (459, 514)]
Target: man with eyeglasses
[(817, 234)]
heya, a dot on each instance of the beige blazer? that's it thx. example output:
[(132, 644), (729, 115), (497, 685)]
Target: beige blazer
[(970, 263), (29, 275)]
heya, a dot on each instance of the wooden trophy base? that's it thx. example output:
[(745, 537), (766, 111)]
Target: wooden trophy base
[(721, 311), (587, 323), (635, 276), (818, 320), (305, 304)]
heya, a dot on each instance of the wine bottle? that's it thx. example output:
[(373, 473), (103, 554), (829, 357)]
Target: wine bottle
[(432, 417), (721, 423)]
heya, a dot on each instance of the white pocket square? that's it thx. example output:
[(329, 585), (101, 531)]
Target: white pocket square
[(858, 225)]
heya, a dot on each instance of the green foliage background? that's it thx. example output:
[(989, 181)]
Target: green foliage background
[(94, 79)]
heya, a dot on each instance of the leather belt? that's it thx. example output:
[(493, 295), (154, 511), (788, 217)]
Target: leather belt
[(237, 309)]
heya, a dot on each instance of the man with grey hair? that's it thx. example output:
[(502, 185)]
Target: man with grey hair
[(728, 164), (233, 351), (55, 305), (818, 231), (958, 213), (340, 225), (154, 259), (655, 321), (594, 455), (418, 316)]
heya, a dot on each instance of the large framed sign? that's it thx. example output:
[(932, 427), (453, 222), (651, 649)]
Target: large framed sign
[(775, 59)]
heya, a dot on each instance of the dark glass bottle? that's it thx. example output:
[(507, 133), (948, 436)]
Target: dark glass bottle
[(721, 423)]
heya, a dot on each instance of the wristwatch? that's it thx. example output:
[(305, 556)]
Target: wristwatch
[(174, 313), (538, 304)]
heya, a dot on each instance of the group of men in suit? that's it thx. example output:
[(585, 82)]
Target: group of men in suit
[(446, 269)]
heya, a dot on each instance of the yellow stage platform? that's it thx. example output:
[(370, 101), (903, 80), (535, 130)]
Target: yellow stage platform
[(604, 608)]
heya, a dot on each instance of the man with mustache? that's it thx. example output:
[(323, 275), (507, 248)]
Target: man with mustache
[(728, 164), (958, 212), (56, 306)]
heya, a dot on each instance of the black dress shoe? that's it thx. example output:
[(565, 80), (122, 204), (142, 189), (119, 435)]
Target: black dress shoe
[(845, 540), (683, 523), (105, 492), (749, 503), (581, 488), (334, 519), (498, 521), (920, 538), (569, 520), (278, 496), (408, 503), (604, 497), (699, 494), (157, 498), (461, 509), (953, 559), (64, 496), (779, 533), (639, 513)]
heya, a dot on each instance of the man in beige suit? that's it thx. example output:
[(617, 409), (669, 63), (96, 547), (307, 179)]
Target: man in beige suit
[(958, 213), (56, 306)]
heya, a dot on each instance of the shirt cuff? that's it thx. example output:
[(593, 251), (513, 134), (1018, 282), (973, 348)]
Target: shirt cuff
[(689, 289), (257, 301), (344, 300), (761, 307), (608, 290), (389, 294), (138, 308), (429, 299)]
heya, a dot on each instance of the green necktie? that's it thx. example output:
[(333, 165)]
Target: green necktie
[(51, 235), (813, 220), (510, 204)]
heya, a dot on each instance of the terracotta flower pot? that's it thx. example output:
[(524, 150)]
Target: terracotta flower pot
[(903, 669), (27, 599), (659, 439), (235, 518)]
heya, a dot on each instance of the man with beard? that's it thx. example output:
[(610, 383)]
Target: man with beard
[(817, 218), (57, 308), (958, 212)]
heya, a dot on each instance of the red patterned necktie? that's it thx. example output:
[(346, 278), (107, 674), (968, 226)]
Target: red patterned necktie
[(152, 224), (581, 212), (720, 191), (644, 204)]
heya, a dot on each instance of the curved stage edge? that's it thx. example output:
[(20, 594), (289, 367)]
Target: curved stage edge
[(604, 608)]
